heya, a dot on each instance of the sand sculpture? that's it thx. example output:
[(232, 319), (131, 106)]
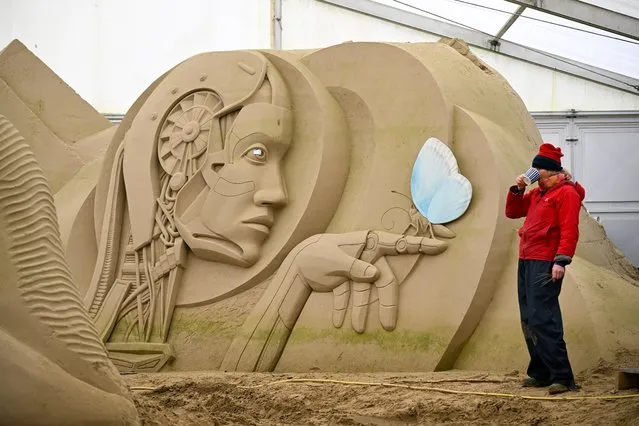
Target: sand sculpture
[(50, 348), (253, 212)]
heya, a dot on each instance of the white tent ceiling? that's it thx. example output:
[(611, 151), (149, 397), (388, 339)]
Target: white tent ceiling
[(539, 30)]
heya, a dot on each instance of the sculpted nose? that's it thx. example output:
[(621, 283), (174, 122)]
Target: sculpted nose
[(271, 197), (273, 193)]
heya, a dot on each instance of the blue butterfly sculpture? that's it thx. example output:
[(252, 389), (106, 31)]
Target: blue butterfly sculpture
[(440, 193)]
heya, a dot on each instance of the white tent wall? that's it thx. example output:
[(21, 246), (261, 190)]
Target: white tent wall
[(109, 51), (310, 24), (543, 89)]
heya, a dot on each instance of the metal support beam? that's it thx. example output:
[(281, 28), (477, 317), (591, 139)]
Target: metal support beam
[(586, 13), (634, 115), (276, 24), (510, 22), (487, 41)]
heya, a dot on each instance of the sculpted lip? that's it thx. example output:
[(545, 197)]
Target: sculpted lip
[(261, 223)]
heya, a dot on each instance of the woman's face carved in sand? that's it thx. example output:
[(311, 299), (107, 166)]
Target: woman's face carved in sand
[(244, 187)]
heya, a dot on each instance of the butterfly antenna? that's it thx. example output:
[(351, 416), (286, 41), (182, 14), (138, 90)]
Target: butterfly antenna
[(397, 192)]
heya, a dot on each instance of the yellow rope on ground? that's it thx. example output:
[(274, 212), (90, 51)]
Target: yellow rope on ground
[(433, 389)]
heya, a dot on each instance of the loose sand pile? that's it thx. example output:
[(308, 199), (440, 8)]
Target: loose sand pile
[(210, 398)]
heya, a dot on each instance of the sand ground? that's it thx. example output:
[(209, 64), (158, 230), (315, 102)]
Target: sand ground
[(215, 398)]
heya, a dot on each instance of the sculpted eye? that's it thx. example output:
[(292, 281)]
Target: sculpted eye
[(256, 154)]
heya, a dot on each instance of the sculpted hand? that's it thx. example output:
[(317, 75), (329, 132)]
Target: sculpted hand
[(324, 263), (332, 261), (558, 272)]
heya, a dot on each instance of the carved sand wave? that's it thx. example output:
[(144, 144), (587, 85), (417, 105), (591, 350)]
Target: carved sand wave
[(35, 250)]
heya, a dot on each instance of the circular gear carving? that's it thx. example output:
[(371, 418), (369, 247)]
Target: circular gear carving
[(184, 134)]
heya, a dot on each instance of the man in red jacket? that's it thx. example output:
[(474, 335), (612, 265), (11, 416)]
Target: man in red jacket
[(548, 240)]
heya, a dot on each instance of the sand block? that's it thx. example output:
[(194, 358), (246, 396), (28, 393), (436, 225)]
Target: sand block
[(57, 105), (58, 160)]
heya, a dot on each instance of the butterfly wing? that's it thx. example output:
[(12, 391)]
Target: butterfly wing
[(439, 192), (435, 162), (451, 199)]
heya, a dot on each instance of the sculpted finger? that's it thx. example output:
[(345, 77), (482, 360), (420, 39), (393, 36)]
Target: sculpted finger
[(341, 294), (361, 297), (363, 272), (432, 246), (388, 293), (410, 244), (442, 232), (336, 263)]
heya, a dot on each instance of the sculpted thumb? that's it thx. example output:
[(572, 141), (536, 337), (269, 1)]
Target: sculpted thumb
[(363, 272)]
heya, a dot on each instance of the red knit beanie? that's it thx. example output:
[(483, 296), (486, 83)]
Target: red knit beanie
[(549, 158)]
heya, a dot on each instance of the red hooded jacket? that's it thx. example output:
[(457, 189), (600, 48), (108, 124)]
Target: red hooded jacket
[(551, 229)]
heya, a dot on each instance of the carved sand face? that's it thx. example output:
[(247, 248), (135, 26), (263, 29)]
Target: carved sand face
[(244, 187)]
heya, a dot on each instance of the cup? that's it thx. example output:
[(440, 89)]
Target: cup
[(531, 176)]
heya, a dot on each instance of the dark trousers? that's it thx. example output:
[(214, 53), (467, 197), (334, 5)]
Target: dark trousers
[(541, 323)]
